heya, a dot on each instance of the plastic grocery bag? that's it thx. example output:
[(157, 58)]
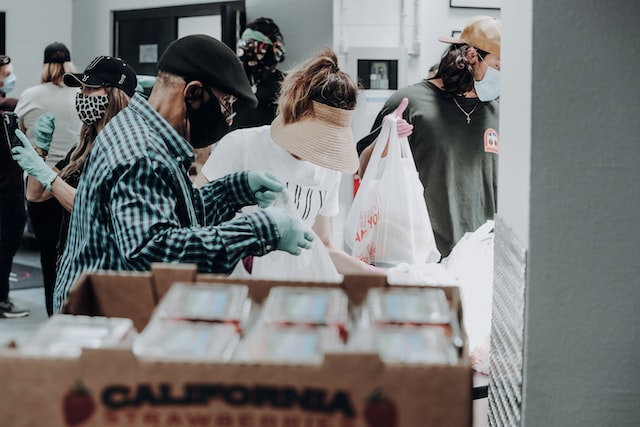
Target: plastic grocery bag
[(471, 260), (312, 265), (388, 222)]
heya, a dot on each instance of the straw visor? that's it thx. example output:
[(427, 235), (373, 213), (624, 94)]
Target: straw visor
[(323, 137)]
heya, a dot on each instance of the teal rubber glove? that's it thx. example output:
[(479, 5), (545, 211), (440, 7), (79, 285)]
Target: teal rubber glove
[(31, 162), (43, 130), (265, 186), (294, 235)]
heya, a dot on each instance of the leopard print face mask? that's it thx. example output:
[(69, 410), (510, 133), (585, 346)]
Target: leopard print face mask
[(91, 109)]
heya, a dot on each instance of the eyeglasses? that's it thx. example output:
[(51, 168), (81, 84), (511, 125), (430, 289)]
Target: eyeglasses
[(226, 101), (226, 107)]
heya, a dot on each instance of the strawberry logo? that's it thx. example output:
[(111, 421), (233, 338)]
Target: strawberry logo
[(78, 405), (380, 411), (371, 252)]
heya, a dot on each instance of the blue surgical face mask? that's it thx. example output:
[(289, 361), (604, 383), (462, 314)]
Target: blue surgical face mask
[(488, 88), (9, 83)]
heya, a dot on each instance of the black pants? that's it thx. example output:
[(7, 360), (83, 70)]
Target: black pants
[(12, 219), (46, 218)]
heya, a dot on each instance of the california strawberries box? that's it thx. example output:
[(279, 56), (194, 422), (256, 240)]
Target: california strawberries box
[(114, 387)]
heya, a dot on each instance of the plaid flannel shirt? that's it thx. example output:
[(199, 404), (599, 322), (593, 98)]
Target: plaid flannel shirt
[(136, 205)]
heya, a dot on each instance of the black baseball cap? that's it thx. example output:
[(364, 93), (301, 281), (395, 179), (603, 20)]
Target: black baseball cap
[(105, 71), (204, 58), (56, 53)]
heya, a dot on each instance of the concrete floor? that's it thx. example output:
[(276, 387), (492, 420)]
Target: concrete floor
[(21, 329)]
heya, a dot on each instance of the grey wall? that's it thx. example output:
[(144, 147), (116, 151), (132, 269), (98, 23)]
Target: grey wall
[(30, 26), (581, 220)]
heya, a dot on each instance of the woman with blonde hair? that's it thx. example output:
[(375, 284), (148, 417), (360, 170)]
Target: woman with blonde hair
[(308, 146), (53, 97), (107, 85)]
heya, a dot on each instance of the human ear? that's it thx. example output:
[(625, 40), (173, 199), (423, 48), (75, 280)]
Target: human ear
[(193, 93), (472, 55)]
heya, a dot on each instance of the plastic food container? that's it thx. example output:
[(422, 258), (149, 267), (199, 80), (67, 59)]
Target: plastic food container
[(308, 306), (399, 344), (288, 344), (287, 306), (217, 303), (65, 335), (186, 340), (397, 306)]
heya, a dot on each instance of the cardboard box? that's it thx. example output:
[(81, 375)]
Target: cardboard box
[(346, 390)]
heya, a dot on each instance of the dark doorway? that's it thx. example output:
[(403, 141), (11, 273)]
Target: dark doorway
[(141, 42), (141, 36)]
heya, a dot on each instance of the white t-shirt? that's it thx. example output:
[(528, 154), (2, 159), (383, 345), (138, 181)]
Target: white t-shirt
[(59, 101), (314, 188)]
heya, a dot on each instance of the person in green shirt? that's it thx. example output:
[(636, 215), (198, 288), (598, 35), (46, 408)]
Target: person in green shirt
[(455, 141)]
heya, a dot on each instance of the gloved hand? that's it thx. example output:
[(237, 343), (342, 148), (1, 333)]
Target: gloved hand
[(43, 130), (264, 186), (294, 235), (404, 128), (31, 162)]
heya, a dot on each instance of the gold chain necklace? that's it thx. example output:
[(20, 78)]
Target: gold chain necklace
[(465, 113)]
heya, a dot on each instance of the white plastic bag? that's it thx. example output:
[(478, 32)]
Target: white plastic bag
[(471, 261), (388, 222), (312, 265)]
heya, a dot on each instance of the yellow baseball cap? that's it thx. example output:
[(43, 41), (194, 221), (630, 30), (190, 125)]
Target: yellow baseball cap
[(482, 32)]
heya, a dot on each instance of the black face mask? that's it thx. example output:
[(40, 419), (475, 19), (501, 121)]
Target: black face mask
[(262, 67), (207, 123)]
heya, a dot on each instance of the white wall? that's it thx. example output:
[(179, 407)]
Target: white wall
[(389, 24), (378, 23), (31, 26)]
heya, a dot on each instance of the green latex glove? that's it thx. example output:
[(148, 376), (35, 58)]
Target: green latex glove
[(264, 186), (31, 162), (294, 235), (43, 130)]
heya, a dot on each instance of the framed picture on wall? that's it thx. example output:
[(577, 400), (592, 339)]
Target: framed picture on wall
[(476, 4)]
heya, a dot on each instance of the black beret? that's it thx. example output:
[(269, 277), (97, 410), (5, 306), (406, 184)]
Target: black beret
[(201, 57)]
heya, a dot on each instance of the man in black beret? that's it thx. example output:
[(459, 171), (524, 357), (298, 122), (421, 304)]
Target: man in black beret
[(208, 73), (135, 203)]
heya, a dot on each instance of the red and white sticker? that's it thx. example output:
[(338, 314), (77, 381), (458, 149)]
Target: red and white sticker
[(491, 144)]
